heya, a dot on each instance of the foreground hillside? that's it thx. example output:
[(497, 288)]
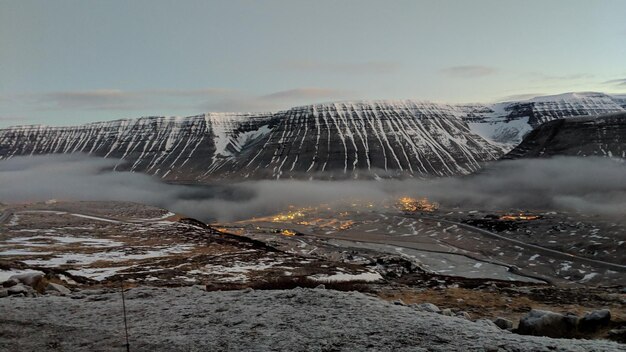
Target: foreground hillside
[(252, 321)]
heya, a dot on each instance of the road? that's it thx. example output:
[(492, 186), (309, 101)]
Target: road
[(5, 215), (540, 249)]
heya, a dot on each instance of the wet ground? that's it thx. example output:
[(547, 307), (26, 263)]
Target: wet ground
[(591, 250)]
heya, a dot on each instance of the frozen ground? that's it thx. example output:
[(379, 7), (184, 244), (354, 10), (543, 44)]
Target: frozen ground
[(191, 319), (146, 245)]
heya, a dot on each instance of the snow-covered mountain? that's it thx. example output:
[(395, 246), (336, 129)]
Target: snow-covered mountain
[(337, 140), (580, 136), (343, 140), (377, 138), (508, 122)]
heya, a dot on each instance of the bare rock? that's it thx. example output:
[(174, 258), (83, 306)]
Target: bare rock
[(503, 323), (4, 293), (464, 315), (21, 289), (31, 279), (35, 280), (210, 287), (427, 307), (10, 282), (447, 312), (595, 320), (618, 334), (546, 323), (56, 288)]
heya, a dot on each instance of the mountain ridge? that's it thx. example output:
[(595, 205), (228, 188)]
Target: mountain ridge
[(355, 139), (578, 136)]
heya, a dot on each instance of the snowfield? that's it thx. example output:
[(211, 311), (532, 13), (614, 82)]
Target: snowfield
[(191, 319)]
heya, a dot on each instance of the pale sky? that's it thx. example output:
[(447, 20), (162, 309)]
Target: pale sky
[(65, 62)]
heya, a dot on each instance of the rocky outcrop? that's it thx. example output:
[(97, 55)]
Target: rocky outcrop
[(57, 289), (503, 323), (31, 284), (595, 320), (545, 323)]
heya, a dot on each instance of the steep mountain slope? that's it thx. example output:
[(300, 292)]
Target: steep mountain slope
[(380, 138), (365, 139), (509, 122), (580, 136), (345, 140)]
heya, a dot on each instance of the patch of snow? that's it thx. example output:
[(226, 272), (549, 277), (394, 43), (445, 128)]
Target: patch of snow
[(95, 218), (588, 277), (87, 241), (343, 277), (22, 252), (110, 256), (6, 274), (97, 274)]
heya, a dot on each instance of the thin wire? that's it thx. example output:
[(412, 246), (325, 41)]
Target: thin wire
[(125, 322)]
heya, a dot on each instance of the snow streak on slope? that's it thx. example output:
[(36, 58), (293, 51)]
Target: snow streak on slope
[(509, 122), (343, 140), (364, 139), (380, 137), (155, 145)]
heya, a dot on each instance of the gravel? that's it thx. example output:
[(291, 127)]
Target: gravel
[(191, 319)]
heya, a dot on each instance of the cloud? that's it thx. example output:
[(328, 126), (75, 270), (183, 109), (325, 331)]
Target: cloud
[(205, 99), (114, 99), (468, 71), (543, 77), (517, 97), (277, 100), (353, 68), (13, 118), (618, 82), (97, 99), (305, 93), (203, 92), (590, 185), (239, 104)]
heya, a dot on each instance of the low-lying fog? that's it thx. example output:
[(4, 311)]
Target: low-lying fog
[(595, 185)]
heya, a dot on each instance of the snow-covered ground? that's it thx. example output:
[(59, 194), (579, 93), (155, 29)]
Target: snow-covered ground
[(191, 319)]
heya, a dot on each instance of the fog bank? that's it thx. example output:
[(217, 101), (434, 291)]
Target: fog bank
[(594, 185)]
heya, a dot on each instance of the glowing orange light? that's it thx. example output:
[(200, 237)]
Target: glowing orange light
[(520, 216), (412, 205)]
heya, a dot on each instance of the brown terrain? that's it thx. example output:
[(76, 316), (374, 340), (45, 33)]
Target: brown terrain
[(399, 253)]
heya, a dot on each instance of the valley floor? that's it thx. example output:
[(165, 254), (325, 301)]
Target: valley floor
[(252, 285)]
